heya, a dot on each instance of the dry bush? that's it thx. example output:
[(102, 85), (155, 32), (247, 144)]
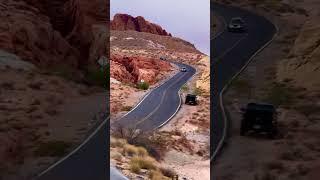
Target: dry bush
[(130, 150), (137, 163), (154, 143), (135, 168), (117, 142)]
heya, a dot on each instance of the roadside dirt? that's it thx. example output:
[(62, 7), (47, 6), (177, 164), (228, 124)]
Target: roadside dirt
[(39, 110), (294, 154), (193, 123), (124, 97)]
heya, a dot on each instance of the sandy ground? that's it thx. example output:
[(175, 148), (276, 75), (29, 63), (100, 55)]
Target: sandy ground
[(293, 154), (36, 108)]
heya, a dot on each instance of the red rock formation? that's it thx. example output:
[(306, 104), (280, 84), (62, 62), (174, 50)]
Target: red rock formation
[(122, 22), (54, 33), (134, 69)]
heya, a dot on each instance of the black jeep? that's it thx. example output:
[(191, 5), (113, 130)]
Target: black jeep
[(259, 118), (191, 99)]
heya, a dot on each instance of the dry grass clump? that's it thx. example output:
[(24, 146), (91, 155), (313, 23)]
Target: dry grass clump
[(130, 150), (117, 142), (142, 152), (144, 162), (139, 159)]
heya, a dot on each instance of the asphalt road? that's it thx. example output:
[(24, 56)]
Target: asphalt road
[(230, 52), (88, 161), (159, 105), (156, 108)]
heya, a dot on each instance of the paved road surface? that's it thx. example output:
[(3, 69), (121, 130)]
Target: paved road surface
[(159, 105), (156, 108), (88, 161), (230, 52)]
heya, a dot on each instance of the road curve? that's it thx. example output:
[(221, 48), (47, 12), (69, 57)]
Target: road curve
[(159, 105), (231, 52), (156, 108), (87, 161)]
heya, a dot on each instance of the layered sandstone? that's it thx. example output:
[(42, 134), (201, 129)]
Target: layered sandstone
[(54, 33), (123, 22), (133, 69)]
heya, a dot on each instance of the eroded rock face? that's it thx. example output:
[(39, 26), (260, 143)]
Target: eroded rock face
[(302, 65), (136, 68), (122, 22), (51, 33)]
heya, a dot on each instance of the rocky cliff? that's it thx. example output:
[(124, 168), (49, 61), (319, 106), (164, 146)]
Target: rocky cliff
[(123, 22), (135, 68), (302, 65), (54, 33)]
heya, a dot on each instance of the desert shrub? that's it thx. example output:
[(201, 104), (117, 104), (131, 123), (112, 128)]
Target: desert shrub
[(128, 134), (126, 108), (52, 148), (198, 91), (141, 151), (117, 142), (154, 143), (134, 167), (184, 88), (143, 162), (117, 156), (143, 85), (130, 150)]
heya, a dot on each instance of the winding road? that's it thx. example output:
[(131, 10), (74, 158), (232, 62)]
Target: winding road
[(159, 105), (231, 52), (156, 108)]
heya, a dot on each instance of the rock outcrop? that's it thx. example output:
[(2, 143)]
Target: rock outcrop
[(123, 22), (54, 33), (135, 68), (302, 65)]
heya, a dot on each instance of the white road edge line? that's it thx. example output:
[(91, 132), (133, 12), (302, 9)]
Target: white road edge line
[(76, 149), (146, 95), (178, 108), (228, 84)]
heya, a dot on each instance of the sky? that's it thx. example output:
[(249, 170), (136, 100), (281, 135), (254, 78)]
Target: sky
[(186, 19)]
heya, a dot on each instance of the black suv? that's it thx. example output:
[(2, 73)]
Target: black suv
[(259, 117), (191, 99)]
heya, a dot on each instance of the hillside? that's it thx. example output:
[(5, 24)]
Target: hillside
[(302, 65), (50, 84)]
